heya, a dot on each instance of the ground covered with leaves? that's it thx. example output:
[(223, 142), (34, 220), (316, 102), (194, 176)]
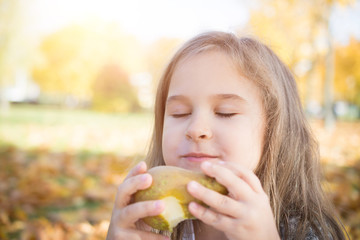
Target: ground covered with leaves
[(45, 195)]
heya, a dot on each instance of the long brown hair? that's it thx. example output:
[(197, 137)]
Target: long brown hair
[(289, 168)]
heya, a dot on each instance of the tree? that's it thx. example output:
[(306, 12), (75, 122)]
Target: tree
[(72, 58), (347, 72), (301, 29), (13, 52), (68, 63), (113, 92)]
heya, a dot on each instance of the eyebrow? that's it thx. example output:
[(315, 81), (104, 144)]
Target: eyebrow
[(229, 97), (234, 97), (176, 98)]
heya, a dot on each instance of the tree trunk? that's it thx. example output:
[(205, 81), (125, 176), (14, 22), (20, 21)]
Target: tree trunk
[(309, 89), (329, 116), (4, 104)]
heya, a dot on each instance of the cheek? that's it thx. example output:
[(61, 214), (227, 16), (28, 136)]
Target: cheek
[(170, 143), (242, 146), (255, 147)]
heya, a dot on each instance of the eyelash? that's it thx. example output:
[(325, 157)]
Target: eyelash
[(222, 115), (180, 115), (226, 115)]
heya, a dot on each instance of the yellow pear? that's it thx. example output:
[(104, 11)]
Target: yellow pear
[(169, 185)]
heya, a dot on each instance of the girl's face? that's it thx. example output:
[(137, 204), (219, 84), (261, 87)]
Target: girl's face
[(212, 113)]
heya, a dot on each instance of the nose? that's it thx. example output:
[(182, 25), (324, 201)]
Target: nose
[(199, 129)]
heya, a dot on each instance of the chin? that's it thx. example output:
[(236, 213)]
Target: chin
[(193, 166)]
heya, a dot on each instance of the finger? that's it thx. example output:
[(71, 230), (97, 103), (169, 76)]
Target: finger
[(130, 214), (237, 187), (248, 176), (151, 236), (141, 225), (221, 203), (120, 234), (208, 216), (131, 186), (137, 169), (136, 235), (244, 173)]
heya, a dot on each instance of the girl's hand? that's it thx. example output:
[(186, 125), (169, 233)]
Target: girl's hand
[(125, 214), (245, 213)]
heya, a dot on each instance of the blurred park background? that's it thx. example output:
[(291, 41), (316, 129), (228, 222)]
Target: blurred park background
[(77, 84)]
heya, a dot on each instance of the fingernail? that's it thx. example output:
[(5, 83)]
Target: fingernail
[(206, 165), (166, 238), (144, 177), (139, 165), (158, 204), (193, 206), (193, 185)]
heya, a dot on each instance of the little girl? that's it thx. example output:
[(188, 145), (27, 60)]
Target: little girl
[(229, 107)]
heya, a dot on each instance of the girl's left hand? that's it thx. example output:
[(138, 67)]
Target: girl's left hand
[(245, 213)]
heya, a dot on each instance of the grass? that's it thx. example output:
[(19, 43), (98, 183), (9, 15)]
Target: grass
[(60, 129)]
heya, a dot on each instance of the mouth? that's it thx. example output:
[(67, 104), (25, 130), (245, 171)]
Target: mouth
[(198, 157)]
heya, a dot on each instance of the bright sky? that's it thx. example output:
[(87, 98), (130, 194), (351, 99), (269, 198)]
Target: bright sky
[(151, 19), (147, 19), (346, 22)]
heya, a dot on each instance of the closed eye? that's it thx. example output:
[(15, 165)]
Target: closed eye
[(180, 115), (225, 115)]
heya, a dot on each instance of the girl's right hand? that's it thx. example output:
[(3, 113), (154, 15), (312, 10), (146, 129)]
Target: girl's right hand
[(125, 214)]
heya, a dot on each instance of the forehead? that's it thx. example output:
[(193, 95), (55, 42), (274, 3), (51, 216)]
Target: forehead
[(206, 56), (210, 71)]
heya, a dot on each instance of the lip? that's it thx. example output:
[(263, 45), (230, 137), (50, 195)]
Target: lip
[(198, 157)]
